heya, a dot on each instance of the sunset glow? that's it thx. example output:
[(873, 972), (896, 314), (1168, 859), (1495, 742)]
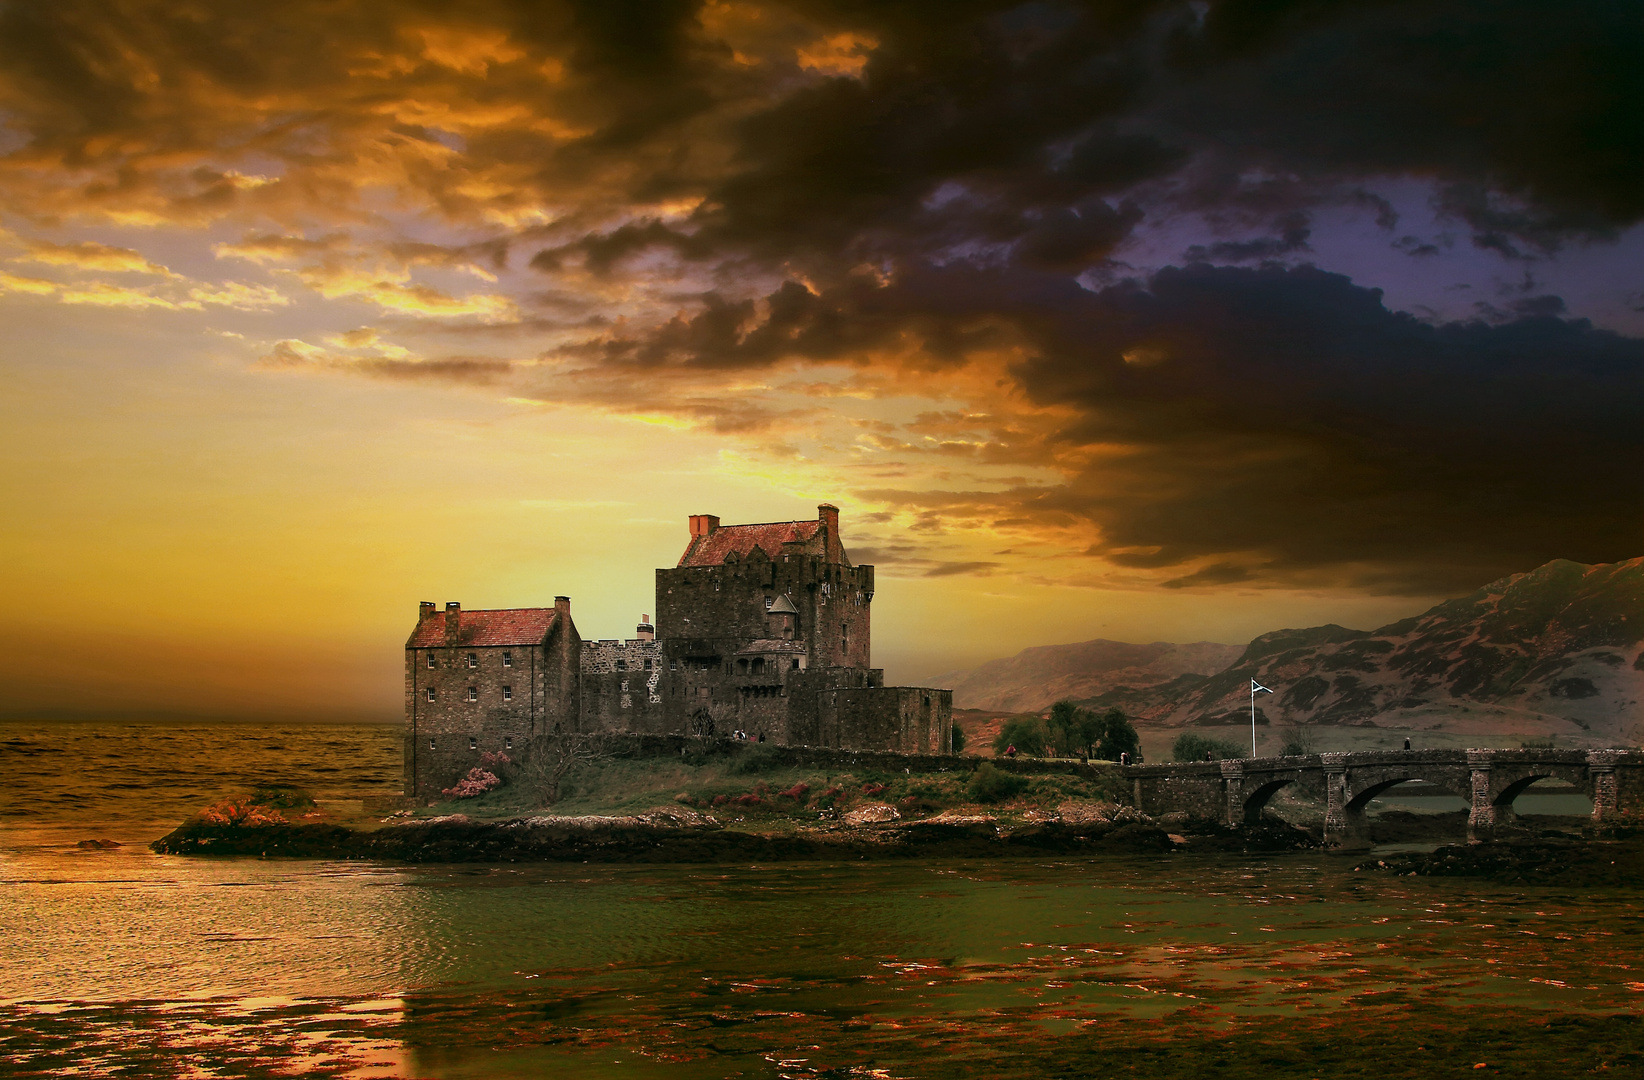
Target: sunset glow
[(1155, 322)]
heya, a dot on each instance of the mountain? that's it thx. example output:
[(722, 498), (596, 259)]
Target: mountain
[(1556, 651), (1035, 678)]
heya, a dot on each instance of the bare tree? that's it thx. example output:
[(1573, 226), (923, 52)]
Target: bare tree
[(702, 723), (552, 757)]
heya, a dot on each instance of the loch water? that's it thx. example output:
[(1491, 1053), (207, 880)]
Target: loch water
[(119, 962)]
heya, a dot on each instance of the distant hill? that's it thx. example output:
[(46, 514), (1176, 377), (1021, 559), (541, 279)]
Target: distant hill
[(1035, 678), (1556, 651)]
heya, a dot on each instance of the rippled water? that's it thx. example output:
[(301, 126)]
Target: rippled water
[(121, 962)]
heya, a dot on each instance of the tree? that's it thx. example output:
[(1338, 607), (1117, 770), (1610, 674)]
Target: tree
[(1191, 746), (958, 739), (1116, 736), (1026, 733), (551, 757)]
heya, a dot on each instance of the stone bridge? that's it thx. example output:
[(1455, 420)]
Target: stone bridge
[(1236, 791)]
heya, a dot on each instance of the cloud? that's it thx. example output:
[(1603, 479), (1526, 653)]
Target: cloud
[(92, 256), (297, 355)]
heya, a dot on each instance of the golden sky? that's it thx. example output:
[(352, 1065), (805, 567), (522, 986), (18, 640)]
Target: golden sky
[(315, 312)]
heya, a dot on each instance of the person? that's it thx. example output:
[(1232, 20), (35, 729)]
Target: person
[(1124, 757), (1010, 751), (1407, 744)]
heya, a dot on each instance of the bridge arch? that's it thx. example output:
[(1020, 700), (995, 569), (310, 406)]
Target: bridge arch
[(1257, 800), (1362, 798)]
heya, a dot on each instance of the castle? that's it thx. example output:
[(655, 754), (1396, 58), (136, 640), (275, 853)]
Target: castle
[(761, 630)]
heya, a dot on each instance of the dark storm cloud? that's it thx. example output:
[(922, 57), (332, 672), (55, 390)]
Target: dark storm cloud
[(1278, 423), (905, 186)]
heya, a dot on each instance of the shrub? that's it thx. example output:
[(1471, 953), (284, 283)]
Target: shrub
[(873, 789), (282, 797), (721, 800), (958, 739), (1026, 733), (477, 782), (988, 784), (1191, 746), (242, 813), (798, 792)]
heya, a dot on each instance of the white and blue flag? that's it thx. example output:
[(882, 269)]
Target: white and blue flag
[(1258, 688)]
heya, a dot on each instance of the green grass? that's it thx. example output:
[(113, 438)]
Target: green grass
[(747, 790)]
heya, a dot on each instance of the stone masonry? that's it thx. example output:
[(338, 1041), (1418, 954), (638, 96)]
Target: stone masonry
[(762, 629)]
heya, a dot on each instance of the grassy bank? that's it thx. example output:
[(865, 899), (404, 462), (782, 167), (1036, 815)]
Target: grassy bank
[(754, 790)]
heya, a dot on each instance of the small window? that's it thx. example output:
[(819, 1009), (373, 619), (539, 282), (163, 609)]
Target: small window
[(473, 693), (430, 693), (507, 742), (431, 660), (759, 665), (473, 661), (508, 694), (768, 602), (507, 659), (673, 665), (431, 745), (741, 667), (622, 665), (647, 663), (795, 664), (473, 743)]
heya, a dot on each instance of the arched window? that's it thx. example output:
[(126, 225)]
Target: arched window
[(759, 665), (741, 667)]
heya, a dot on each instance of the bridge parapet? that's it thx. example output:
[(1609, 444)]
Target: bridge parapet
[(1233, 790)]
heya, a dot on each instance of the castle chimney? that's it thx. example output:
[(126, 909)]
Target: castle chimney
[(703, 524), (562, 608), (828, 514), (425, 610), (453, 622), (645, 631)]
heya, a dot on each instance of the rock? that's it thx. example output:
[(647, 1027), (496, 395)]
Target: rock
[(98, 845), (871, 815)]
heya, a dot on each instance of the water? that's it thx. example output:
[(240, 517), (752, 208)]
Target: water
[(120, 962)]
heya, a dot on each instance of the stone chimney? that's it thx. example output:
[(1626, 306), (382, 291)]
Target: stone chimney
[(425, 610), (562, 609), (645, 631), (703, 524), (453, 622), (828, 514)]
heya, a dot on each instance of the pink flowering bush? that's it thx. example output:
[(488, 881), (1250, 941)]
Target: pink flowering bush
[(477, 782), (243, 813), (493, 762)]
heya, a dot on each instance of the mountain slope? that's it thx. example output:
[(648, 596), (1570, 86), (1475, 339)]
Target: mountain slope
[(1035, 678), (1553, 651)]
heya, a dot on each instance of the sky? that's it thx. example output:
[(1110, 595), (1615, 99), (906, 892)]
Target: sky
[(1146, 321)]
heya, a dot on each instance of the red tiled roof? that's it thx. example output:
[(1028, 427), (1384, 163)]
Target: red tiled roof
[(711, 550), (508, 626)]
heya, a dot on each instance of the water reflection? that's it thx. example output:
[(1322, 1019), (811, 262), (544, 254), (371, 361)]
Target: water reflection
[(800, 969)]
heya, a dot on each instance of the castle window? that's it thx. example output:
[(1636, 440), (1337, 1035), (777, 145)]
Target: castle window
[(473, 693), (431, 660), (473, 743), (431, 745), (741, 667), (507, 742), (473, 661), (430, 693), (647, 663), (795, 664), (844, 636), (673, 665), (769, 600), (508, 693), (622, 665), (507, 659), (759, 665)]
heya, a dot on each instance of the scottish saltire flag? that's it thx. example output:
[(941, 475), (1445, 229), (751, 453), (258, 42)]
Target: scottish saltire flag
[(1258, 688)]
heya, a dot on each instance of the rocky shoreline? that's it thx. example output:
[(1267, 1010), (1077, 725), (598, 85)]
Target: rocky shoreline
[(1578, 863), (681, 835)]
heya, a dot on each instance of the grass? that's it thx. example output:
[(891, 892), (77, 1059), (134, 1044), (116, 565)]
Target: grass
[(749, 791)]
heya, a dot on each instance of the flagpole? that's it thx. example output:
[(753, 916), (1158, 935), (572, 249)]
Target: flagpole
[(1252, 718)]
